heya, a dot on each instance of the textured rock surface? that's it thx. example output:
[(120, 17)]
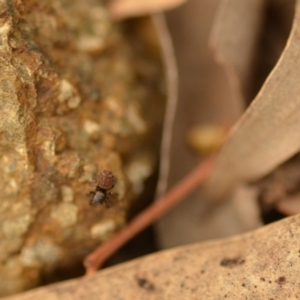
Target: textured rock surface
[(73, 100)]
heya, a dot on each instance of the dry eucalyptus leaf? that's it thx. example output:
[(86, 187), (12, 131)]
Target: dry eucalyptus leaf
[(262, 264), (290, 206), (234, 39), (269, 131), (121, 9), (281, 188), (200, 220), (204, 97)]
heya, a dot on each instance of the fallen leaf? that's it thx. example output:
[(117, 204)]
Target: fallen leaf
[(257, 265), (201, 220), (290, 206), (204, 97), (269, 131), (121, 9), (234, 45), (280, 190)]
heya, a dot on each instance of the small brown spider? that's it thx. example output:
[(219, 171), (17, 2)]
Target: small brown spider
[(106, 180)]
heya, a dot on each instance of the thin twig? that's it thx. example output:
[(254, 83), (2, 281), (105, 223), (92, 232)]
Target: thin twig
[(94, 260)]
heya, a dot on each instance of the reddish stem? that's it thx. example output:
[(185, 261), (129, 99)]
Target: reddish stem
[(94, 260)]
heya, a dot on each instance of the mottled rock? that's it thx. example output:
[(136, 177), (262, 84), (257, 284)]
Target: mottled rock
[(74, 99)]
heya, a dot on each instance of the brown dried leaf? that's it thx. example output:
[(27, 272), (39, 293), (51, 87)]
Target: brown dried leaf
[(257, 265), (290, 206), (200, 220), (121, 9), (189, 26), (281, 189), (268, 133), (234, 45)]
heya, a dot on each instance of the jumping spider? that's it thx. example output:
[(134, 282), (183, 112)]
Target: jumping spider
[(106, 180)]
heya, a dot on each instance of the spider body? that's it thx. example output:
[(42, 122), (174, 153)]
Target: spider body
[(98, 198), (105, 181)]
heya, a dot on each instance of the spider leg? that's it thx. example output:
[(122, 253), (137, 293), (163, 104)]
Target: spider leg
[(110, 199), (91, 193)]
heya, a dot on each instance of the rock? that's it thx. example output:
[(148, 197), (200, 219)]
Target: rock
[(74, 100)]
